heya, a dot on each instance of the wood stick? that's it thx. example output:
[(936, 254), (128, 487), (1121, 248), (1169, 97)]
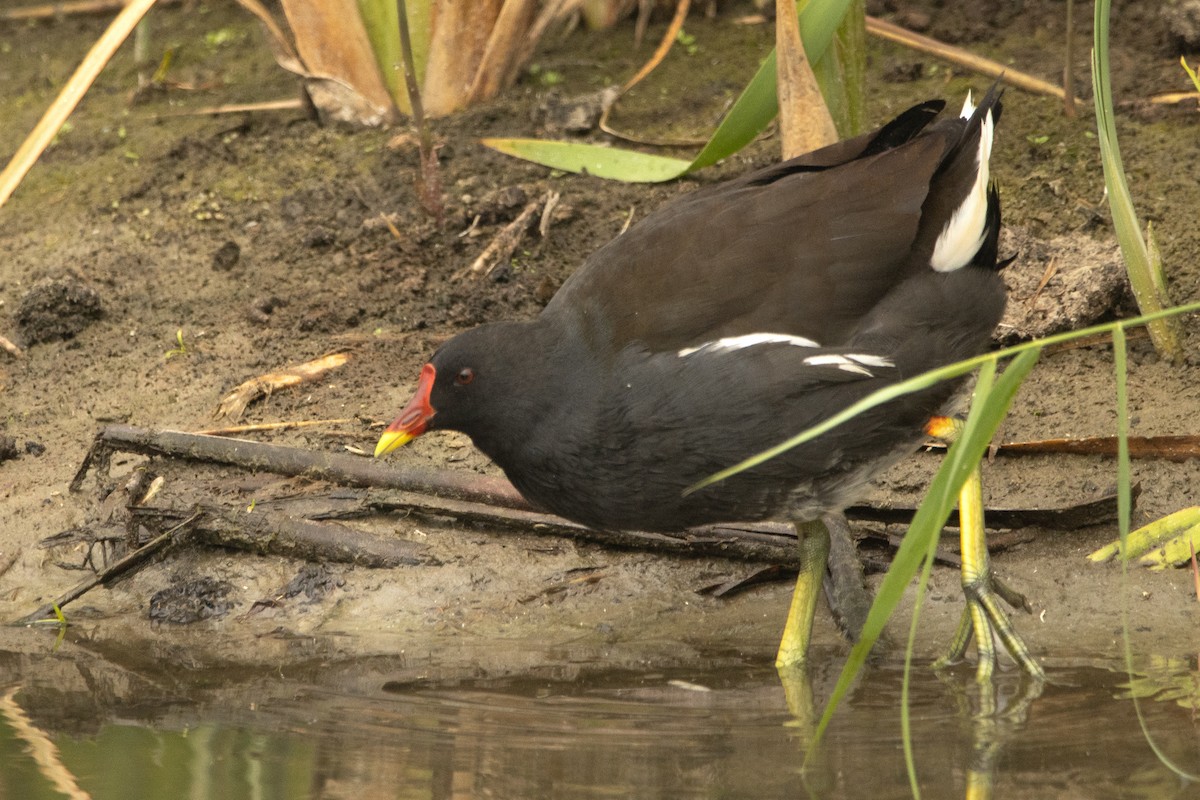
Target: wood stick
[(1080, 515), (495, 501), (78, 84), (472, 498), (277, 534), (773, 543), (505, 242), (336, 467)]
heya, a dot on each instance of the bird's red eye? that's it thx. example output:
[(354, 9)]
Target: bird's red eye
[(465, 376)]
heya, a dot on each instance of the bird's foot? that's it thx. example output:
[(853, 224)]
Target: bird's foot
[(985, 621)]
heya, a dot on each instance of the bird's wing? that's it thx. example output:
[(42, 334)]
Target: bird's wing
[(801, 247)]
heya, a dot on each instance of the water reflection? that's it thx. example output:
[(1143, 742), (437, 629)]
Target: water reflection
[(351, 731)]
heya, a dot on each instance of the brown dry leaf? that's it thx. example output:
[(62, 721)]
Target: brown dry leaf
[(804, 120), (460, 33), (343, 78), (501, 57), (11, 348), (609, 98)]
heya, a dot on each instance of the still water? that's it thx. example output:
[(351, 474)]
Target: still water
[(351, 731)]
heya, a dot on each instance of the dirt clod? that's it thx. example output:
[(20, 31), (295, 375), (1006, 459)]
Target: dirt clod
[(1058, 284), (320, 236), (1183, 21), (57, 308), (227, 256), (314, 581), (191, 601)]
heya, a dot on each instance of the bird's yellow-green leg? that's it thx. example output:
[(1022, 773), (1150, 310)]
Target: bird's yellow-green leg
[(983, 618), (814, 553)]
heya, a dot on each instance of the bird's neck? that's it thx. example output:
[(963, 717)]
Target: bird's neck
[(549, 375)]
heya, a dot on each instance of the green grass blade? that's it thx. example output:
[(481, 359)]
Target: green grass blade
[(906, 737), (381, 20), (1191, 73), (758, 103), (1149, 542), (916, 383), (1124, 511), (927, 379), (1124, 481), (1166, 333), (754, 109), (842, 72)]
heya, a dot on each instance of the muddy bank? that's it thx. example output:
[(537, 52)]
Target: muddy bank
[(221, 248)]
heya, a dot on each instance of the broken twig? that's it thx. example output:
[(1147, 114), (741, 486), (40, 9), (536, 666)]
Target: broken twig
[(105, 576), (234, 404), (1168, 448), (15, 351), (505, 243), (964, 58)]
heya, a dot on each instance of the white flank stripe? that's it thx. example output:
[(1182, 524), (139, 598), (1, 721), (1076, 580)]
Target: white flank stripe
[(841, 362), (963, 235), (747, 340)]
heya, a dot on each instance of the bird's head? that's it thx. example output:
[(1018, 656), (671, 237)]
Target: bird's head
[(471, 385)]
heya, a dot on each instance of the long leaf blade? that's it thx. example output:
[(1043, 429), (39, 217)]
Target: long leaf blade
[(603, 162)]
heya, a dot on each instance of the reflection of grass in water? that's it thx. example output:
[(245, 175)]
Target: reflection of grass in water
[(1166, 679)]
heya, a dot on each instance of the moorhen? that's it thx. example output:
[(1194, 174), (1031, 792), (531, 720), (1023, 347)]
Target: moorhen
[(732, 319)]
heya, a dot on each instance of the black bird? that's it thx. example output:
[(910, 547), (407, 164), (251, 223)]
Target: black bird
[(731, 320)]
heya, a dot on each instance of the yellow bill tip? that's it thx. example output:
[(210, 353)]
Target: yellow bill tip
[(390, 440)]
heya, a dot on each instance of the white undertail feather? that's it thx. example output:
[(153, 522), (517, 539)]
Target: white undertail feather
[(963, 235)]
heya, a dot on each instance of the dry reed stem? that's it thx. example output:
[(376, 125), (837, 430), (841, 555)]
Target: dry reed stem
[(77, 85)]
